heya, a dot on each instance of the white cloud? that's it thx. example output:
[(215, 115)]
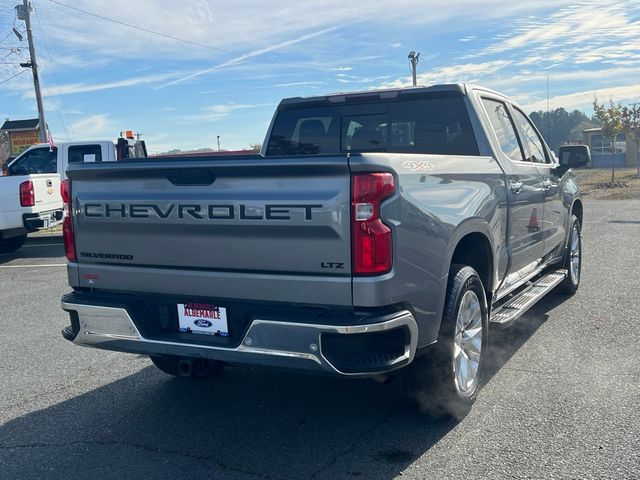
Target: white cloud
[(467, 72), (583, 100), (255, 53), (587, 32), (298, 84), (220, 26), (214, 113), (96, 126), (395, 45), (71, 88), (61, 62)]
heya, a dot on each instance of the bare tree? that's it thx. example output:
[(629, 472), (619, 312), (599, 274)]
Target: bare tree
[(631, 127), (612, 126), (4, 147)]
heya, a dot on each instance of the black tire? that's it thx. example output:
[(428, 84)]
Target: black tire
[(431, 379), (571, 284), (8, 245), (190, 367)]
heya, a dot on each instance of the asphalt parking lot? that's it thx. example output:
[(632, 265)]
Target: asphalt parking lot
[(562, 399)]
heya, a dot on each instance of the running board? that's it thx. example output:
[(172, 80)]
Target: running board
[(516, 306)]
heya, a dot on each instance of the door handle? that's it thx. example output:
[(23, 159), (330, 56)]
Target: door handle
[(546, 184), (516, 186)]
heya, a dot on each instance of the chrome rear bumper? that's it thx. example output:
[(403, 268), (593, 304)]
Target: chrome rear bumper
[(267, 343)]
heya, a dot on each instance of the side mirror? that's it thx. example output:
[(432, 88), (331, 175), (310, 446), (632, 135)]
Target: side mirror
[(574, 156)]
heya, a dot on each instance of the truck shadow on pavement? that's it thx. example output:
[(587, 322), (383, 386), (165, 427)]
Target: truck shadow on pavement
[(41, 248), (504, 343), (244, 423)]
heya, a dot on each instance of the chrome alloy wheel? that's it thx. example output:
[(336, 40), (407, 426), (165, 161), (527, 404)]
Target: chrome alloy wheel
[(574, 264), (467, 343)]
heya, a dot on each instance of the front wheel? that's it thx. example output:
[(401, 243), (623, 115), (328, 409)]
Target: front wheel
[(445, 381), (9, 245), (573, 258)]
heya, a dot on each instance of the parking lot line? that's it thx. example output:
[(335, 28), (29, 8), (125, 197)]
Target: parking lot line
[(33, 266)]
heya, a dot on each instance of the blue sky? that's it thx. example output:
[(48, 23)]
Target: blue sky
[(101, 78)]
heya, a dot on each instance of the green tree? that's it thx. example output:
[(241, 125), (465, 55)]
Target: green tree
[(631, 128), (577, 135), (558, 125), (612, 126)]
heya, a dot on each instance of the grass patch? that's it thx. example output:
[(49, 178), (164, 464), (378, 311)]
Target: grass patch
[(595, 183)]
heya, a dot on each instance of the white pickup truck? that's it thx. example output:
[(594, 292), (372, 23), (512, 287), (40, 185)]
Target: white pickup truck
[(30, 191)]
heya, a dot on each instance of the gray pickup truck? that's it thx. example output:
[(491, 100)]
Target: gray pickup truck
[(377, 231)]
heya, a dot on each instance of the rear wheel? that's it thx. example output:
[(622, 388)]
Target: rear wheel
[(445, 381), (573, 258), (8, 245), (187, 367)]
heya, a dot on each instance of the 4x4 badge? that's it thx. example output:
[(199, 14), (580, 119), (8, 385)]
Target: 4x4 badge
[(418, 166)]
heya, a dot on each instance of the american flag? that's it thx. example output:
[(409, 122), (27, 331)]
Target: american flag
[(50, 141)]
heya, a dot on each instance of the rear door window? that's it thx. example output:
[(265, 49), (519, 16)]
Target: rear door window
[(532, 143), (85, 153), (435, 125), (504, 128), (38, 160)]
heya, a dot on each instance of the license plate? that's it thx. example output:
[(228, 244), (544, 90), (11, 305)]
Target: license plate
[(203, 318)]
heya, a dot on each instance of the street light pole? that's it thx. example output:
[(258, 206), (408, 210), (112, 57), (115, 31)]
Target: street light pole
[(24, 13), (413, 58)]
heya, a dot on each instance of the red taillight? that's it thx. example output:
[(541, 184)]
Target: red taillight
[(65, 191), (67, 224), (69, 241), (27, 195), (372, 243)]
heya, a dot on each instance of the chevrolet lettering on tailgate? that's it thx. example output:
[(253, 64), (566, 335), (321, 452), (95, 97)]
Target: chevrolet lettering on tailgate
[(198, 211)]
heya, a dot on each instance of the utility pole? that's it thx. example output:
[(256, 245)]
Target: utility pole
[(218, 142), (413, 58), (24, 13), (637, 136), (548, 114)]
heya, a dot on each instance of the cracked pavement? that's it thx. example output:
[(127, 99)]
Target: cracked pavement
[(560, 401)]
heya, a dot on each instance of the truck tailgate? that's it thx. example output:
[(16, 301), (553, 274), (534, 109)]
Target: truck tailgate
[(46, 188), (215, 219)]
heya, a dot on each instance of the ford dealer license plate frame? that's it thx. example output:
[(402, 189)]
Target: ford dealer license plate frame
[(203, 319)]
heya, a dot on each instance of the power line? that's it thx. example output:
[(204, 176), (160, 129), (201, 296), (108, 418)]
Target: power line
[(14, 76), (15, 17), (160, 34), (56, 82), (6, 36), (7, 55), (11, 33), (24, 13), (11, 67)]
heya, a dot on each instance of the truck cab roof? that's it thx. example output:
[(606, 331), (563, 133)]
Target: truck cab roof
[(386, 93)]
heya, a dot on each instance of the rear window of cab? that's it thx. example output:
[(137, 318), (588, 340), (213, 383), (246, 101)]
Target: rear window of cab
[(436, 125)]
